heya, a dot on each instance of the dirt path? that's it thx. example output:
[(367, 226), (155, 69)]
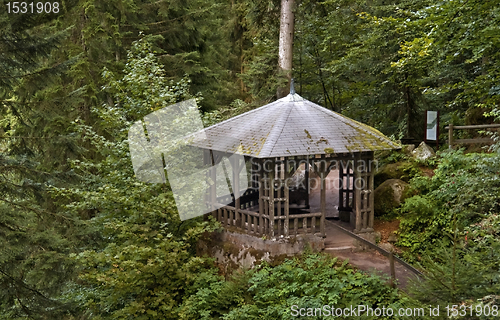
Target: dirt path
[(374, 262), (340, 245)]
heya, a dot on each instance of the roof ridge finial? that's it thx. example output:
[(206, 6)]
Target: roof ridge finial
[(292, 88)]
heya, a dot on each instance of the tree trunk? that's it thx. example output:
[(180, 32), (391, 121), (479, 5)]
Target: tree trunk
[(286, 44)]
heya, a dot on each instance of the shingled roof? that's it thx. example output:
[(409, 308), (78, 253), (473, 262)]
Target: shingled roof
[(291, 126)]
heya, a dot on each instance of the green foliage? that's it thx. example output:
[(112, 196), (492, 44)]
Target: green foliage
[(348, 67), (69, 91), (449, 275), (483, 241), (142, 259), (223, 113), (36, 235), (465, 185), (144, 87), (259, 48), (266, 292), (465, 273), (396, 156), (494, 135)]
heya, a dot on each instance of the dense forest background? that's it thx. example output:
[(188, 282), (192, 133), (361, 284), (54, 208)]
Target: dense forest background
[(81, 238)]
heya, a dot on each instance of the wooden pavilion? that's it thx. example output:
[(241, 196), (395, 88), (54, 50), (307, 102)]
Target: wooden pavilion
[(277, 141)]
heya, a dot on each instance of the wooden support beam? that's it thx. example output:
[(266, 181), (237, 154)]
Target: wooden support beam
[(279, 171), (271, 202), (261, 201), (286, 227), (308, 182), (371, 195), (450, 136), (476, 140), (213, 177), (235, 164), (323, 171), (357, 197)]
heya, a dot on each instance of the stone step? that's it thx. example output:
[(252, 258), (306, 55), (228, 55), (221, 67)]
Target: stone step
[(343, 248)]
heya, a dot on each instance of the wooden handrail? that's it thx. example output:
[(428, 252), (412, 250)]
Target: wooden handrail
[(452, 141), (379, 249), (478, 126), (299, 216), (245, 214), (256, 214)]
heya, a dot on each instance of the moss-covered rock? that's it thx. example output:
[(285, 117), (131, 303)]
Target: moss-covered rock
[(423, 152), (399, 170), (389, 195), (389, 171)]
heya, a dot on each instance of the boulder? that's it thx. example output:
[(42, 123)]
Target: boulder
[(408, 149), (423, 152), (387, 246), (399, 170), (393, 238), (389, 195), (389, 171)]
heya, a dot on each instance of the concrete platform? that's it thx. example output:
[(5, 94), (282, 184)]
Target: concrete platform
[(336, 240)]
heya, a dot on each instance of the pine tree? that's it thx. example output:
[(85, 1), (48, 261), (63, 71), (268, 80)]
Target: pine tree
[(35, 237)]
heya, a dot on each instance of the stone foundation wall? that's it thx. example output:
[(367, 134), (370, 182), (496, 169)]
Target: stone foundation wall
[(235, 250)]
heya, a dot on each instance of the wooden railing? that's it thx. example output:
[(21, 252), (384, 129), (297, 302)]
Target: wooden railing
[(254, 223), (385, 253), (248, 199), (452, 141)]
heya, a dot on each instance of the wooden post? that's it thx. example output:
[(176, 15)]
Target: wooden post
[(450, 136), (357, 196), (266, 203), (279, 174), (308, 182), (287, 201), (371, 193), (271, 201), (393, 270), (323, 197), (213, 187), (238, 222), (342, 186), (437, 133), (261, 194)]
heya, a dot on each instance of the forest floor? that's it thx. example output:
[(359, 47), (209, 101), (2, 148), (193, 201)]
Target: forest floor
[(385, 228)]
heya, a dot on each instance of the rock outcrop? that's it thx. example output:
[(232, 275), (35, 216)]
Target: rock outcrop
[(423, 152), (389, 195)]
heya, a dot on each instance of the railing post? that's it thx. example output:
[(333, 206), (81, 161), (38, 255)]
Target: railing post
[(393, 270), (450, 136)]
